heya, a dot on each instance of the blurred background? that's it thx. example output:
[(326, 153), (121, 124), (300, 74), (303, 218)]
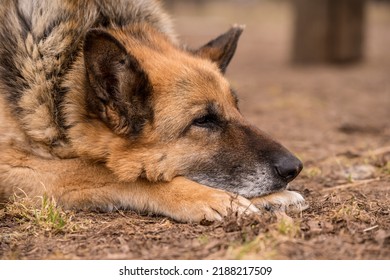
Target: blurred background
[(314, 74)]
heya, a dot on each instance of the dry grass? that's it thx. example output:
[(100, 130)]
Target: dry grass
[(40, 214)]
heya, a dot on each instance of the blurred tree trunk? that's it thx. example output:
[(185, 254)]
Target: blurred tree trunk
[(328, 31)]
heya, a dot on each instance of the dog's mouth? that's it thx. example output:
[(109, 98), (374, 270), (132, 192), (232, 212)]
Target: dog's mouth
[(257, 183)]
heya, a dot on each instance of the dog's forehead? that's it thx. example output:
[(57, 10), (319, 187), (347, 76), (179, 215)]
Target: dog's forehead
[(203, 82), (188, 80)]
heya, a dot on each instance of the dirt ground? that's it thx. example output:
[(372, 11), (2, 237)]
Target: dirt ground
[(335, 118)]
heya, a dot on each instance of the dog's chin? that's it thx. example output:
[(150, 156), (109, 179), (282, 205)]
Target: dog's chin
[(260, 190), (278, 189), (244, 187)]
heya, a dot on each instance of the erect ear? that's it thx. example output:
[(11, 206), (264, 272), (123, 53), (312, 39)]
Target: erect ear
[(221, 49), (118, 89)]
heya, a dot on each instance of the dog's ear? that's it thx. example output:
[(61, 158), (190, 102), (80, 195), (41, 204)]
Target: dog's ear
[(221, 49), (118, 88)]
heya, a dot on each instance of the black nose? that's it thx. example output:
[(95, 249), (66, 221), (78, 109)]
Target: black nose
[(288, 167)]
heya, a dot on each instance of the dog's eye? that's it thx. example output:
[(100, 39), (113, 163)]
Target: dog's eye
[(205, 121)]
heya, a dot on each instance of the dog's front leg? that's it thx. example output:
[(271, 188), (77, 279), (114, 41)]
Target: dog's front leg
[(80, 184), (180, 199), (84, 186)]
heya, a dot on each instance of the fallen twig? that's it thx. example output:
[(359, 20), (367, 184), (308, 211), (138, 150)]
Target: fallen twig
[(370, 228), (379, 151), (350, 185)]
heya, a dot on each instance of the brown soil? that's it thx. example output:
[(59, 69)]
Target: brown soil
[(335, 118)]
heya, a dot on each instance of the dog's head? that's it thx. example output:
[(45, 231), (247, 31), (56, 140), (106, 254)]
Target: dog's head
[(176, 114)]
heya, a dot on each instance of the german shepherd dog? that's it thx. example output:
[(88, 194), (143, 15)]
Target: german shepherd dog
[(102, 108)]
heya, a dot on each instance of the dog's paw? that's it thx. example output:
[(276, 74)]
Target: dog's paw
[(225, 204), (187, 201), (212, 205), (281, 202)]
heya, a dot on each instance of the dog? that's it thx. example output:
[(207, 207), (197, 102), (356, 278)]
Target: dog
[(102, 108)]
